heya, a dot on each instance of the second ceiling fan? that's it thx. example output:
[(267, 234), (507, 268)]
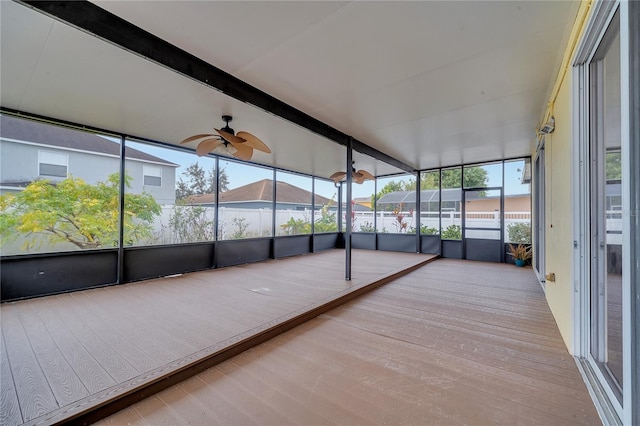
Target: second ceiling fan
[(358, 176), (226, 141)]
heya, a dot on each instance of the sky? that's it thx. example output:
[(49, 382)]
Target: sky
[(239, 174)]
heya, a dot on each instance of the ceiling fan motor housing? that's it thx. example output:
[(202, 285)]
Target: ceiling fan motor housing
[(226, 128)]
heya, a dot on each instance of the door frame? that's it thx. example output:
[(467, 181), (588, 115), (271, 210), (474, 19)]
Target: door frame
[(539, 213), (500, 219)]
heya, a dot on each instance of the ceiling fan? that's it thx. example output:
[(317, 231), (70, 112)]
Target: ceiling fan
[(358, 176), (227, 142)]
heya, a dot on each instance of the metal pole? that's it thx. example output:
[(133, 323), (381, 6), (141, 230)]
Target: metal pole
[(120, 273), (463, 213), (216, 216), (339, 198), (502, 260), (440, 207), (417, 213), (273, 217), (313, 212), (347, 238)]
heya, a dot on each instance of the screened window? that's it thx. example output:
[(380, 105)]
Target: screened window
[(517, 203), (451, 211), (245, 208), (430, 202), (56, 209), (173, 196), (396, 204), (293, 204), (325, 215)]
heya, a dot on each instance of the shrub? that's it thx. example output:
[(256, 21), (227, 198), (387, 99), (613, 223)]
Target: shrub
[(453, 232), (367, 227), (519, 232)]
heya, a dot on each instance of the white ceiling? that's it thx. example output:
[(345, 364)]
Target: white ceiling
[(429, 83)]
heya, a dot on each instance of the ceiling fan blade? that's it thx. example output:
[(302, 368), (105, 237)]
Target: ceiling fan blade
[(367, 175), (337, 176), (229, 137), (206, 146), (253, 142), (244, 152), (358, 178), (194, 137)]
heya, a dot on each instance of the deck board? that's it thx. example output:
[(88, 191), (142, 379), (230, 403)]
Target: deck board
[(9, 408), (91, 374), (82, 348), (34, 394), (64, 383), (454, 342)]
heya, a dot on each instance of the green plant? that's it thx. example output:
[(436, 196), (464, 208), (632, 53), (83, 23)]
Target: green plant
[(367, 227), (191, 224), (453, 232), (519, 232), (295, 227), (241, 226), (426, 230), (520, 252), (327, 223)]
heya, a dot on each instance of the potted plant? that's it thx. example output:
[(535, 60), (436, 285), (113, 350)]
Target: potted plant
[(520, 253)]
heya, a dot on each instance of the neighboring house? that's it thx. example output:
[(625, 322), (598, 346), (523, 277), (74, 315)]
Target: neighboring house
[(259, 195), (451, 198), (31, 150)]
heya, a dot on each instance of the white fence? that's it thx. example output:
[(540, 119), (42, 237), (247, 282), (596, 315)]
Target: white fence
[(390, 223), (251, 223)]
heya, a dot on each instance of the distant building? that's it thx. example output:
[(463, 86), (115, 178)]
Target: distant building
[(30, 151), (259, 194)]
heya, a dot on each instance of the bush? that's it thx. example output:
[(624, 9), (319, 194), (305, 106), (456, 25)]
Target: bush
[(424, 230), (296, 227), (367, 227), (519, 232), (453, 232)]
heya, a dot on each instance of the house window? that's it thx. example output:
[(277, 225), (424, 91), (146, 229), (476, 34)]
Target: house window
[(152, 175), (52, 164)]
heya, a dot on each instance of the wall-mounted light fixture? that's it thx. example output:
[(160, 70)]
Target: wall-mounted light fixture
[(549, 126)]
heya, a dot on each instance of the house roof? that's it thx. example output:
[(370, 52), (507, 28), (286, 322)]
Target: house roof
[(62, 137), (262, 190)]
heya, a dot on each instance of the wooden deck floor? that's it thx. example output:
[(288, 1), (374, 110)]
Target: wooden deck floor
[(62, 354), (454, 342)]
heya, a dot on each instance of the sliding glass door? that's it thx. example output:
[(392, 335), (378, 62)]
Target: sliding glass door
[(605, 218)]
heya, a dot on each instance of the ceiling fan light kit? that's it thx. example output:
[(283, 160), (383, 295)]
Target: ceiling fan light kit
[(227, 142)]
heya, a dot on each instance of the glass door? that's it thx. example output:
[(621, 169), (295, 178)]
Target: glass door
[(605, 223), (482, 224)]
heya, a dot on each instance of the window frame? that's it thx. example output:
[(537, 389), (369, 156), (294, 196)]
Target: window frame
[(41, 162), (148, 167)]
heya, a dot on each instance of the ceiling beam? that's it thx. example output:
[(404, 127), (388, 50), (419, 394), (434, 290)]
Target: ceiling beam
[(96, 21)]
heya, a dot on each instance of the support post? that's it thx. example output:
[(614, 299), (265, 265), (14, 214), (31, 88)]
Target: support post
[(120, 273), (417, 213), (347, 234)]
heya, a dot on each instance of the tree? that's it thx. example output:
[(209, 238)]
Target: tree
[(76, 212), (392, 186), (195, 181), (474, 177)]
